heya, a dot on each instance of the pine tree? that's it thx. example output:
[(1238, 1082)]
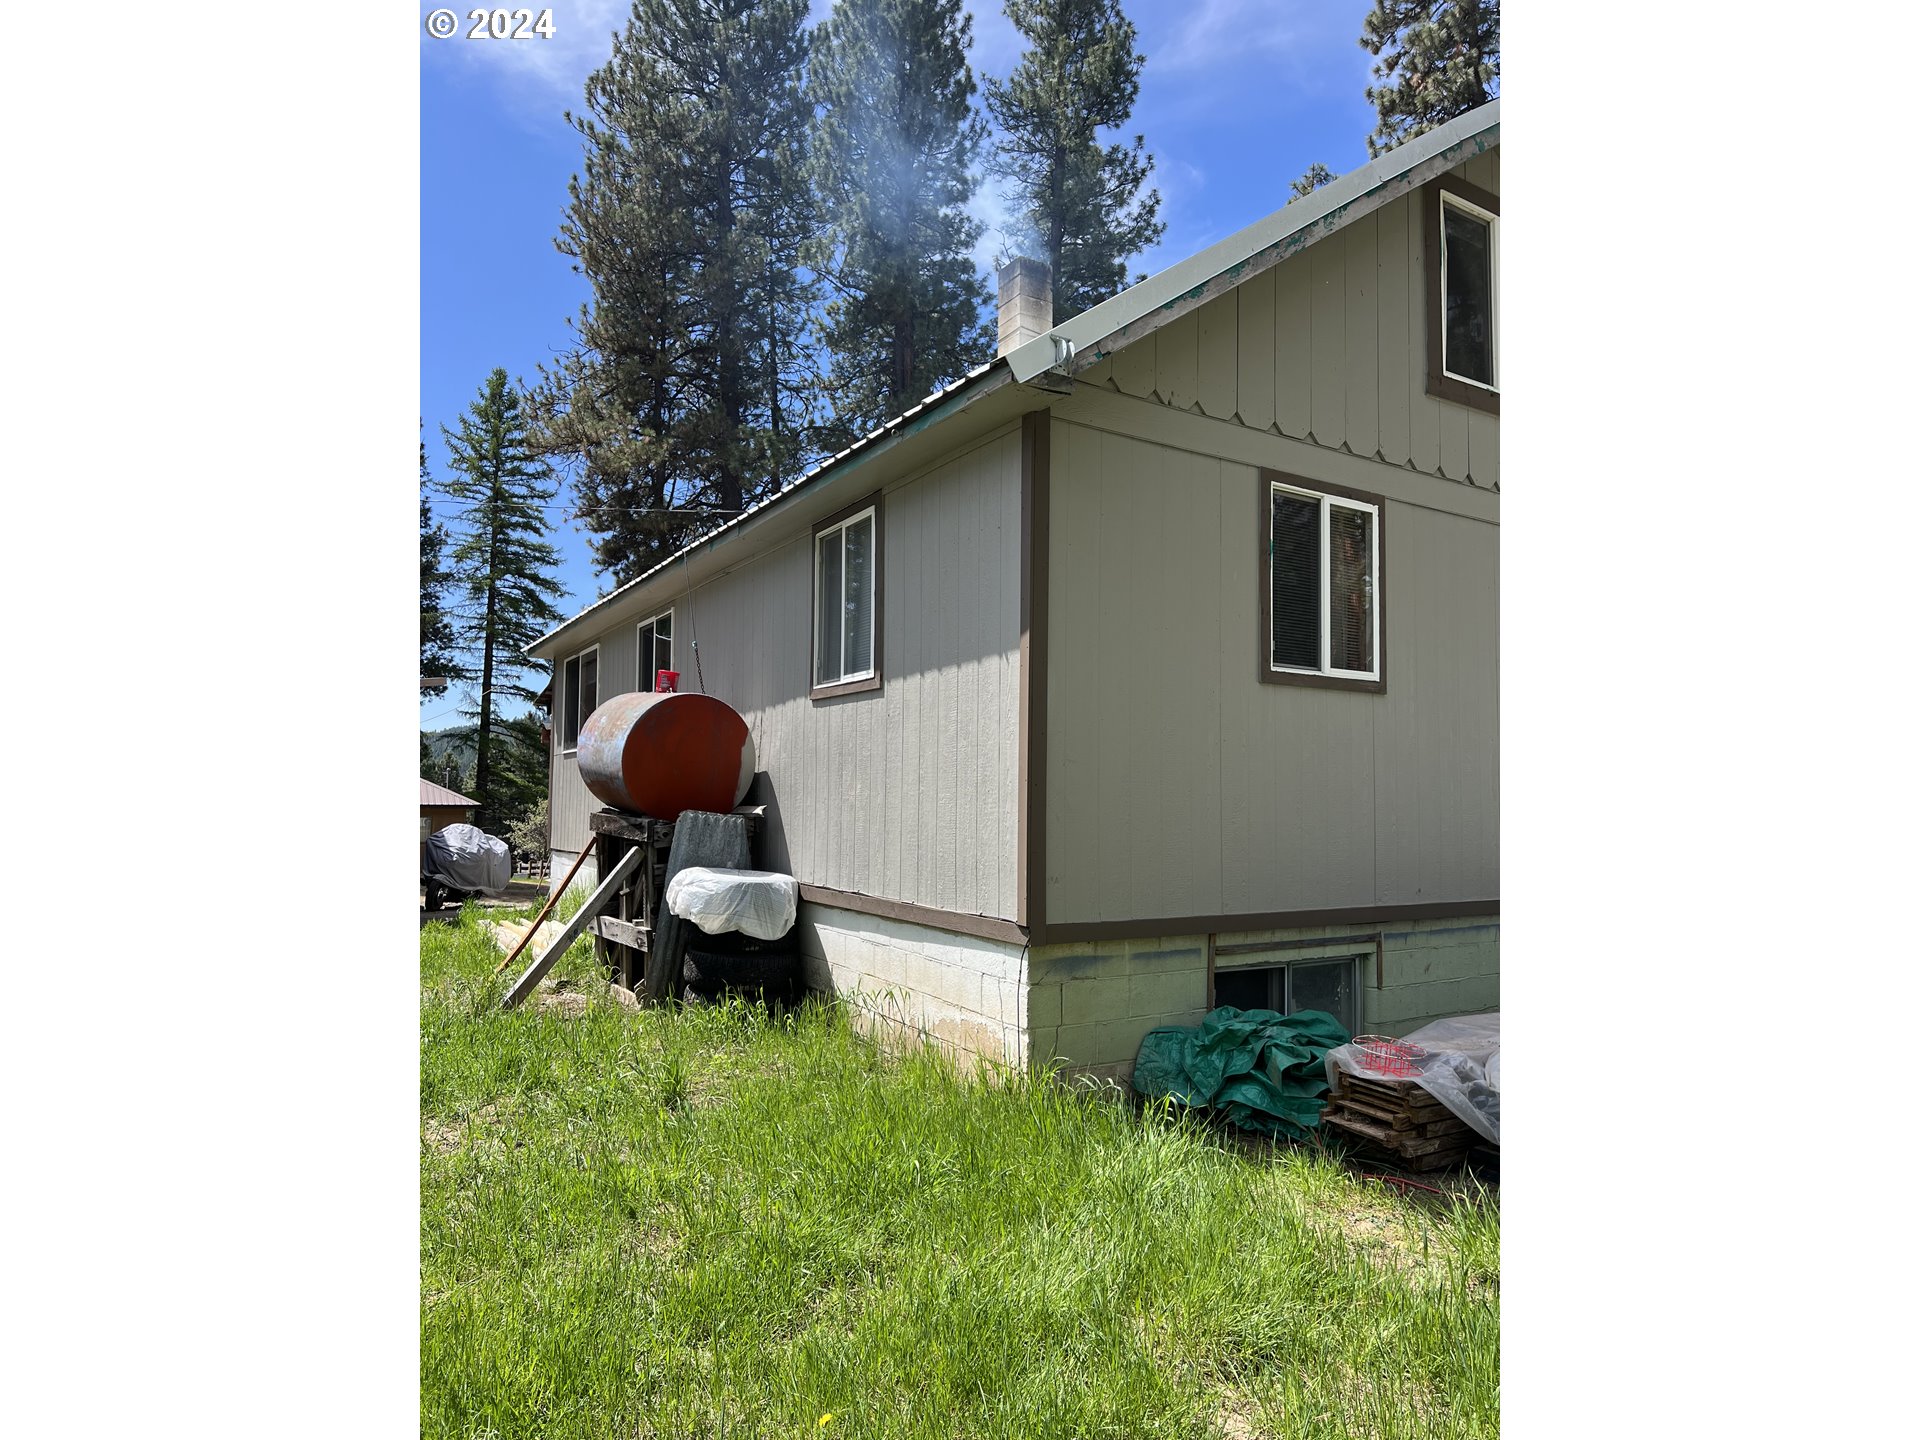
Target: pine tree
[(1078, 201), (1316, 176), (1436, 59), (436, 627), (501, 564), (688, 394), (895, 143)]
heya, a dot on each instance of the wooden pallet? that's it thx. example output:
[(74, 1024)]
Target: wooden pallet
[(1401, 1121)]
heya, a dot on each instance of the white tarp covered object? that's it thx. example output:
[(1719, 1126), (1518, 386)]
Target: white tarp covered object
[(465, 857), (756, 902), (1461, 1069)]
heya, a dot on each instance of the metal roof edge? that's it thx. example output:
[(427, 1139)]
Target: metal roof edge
[(1096, 333), (928, 411)]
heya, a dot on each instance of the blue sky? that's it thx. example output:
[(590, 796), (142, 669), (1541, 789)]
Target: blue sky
[(1238, 98)]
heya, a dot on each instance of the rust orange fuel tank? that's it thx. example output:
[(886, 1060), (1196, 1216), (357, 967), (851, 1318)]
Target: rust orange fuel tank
[(661, 754)]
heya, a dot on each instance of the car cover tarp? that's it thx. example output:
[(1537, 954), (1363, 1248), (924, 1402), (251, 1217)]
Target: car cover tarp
[(1264, 1071), (465, 857)]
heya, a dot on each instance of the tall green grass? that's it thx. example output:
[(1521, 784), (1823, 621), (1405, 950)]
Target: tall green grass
[(710, 1223)]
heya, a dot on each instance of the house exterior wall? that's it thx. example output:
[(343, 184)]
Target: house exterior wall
[(908, 792), (1180, 785), (1327, 346)]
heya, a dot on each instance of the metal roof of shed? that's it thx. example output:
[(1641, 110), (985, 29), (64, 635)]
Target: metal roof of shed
[(432, 794)]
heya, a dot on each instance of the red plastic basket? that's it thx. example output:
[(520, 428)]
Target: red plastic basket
[(1383, 1055), (666, 682)]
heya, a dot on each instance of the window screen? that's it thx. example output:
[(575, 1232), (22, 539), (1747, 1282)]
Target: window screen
[(1324, 985), (570, 704), (1294, 563), (845, 600), (1469, 294), (655, 649), (827, 610), (1350, 618), (589, 688)]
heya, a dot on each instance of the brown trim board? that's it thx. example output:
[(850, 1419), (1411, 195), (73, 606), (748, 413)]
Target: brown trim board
[(1441, 385), (1030, 865), (1263, 602), (872, 682), (1149, 929), (987, 927)]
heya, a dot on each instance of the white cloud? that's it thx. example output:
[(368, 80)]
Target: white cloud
[(536, 74), (1206, 33)]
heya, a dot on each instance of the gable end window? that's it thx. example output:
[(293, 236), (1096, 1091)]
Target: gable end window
[(1463, 294), (1322, 563), (653, 649), (846, 601), (579, 695)]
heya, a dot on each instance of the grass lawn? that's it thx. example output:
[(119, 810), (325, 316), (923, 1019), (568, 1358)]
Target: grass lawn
[(709, 1223)]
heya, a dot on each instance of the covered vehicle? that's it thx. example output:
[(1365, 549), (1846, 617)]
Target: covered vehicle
[(464, 861)]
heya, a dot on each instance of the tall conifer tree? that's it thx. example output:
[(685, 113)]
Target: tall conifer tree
[(1436, 59), (1079, 201), (895, 145), (688, 394), (502, 565), (436, 627)]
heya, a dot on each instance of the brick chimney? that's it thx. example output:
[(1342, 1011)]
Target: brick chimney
[(1026, 302)]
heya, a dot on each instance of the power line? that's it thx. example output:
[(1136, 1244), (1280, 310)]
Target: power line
[(623, 509)]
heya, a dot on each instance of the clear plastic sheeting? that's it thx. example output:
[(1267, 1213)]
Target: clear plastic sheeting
[(1461, 1068), (759, 903), (465, 857)]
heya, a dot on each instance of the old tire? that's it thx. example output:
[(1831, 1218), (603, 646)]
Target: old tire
[(436, 895), (772, 975)]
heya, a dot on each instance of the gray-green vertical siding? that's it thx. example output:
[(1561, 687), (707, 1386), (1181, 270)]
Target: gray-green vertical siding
[(1328, 346), (904, 793), (1178, 784)]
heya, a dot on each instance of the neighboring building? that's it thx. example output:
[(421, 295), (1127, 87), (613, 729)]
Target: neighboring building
[(439, 808), (1017, 761)]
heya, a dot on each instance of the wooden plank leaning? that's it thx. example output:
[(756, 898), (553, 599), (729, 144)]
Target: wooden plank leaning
[(552, 900), (609, 887)]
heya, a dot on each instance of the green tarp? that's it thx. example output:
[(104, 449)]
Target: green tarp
[(1264, 1071)]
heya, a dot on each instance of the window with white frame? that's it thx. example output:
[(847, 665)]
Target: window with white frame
[(1330, 986), (1320, 594), (579, 695), (653, 649), (1462, 246), (846, 600), (1469, 285)]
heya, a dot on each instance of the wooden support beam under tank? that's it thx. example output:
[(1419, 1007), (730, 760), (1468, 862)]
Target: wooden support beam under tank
[(609, 887)]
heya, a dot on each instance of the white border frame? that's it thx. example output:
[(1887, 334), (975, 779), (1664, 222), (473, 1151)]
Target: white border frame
[(560, 735), (873, 615), (646, 673), (1327, 504), (1459, 202)]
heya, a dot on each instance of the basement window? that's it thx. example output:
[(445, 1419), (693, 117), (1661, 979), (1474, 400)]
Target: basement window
[(579, 695), (1463, 302), (846, 601), (1320, 583), (1329, 985), (654, 649)]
